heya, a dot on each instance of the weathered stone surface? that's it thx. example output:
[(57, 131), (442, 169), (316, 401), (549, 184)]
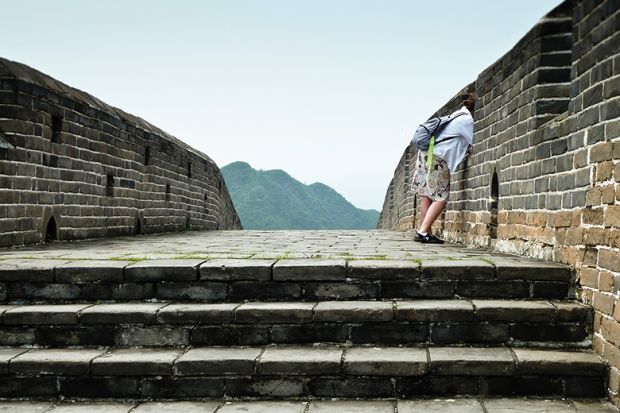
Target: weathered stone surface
[(310, 333), (44, 314), (94, 407), (181, 387), (99, 387), (33, 270), (301, 360), (354, 311), (434, 310), (54, 361), (163, 270), (24, 407), (375, 387), (7, 354), (152, 336), (140, 313), (440, 406), (476, 332), (87, 271), (511, 269), (274, 313), (263, 407), (239, 335), (135, 362), (192, 291), (385, 361), (521, 405), (351, 406), (236, 269), (177, 407), (268, 388), (471, 361), (384, 269), (197, 313), (531, 361), (215, 361), (342, 291), (594, 406), (442, 269), (310, 270), (504, 310)]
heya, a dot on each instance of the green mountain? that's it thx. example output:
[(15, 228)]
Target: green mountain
[(275, 200)]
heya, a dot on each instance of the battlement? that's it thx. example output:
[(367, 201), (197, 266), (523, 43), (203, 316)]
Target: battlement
[(73, 167)]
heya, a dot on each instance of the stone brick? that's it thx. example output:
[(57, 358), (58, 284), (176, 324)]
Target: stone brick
[(603, 303), (609, 260), (216, 361), (604, 171), (135, 362), (593, 216), (612, 216), (601, 152)]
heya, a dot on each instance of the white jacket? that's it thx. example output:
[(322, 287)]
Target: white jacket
[(454, 150)]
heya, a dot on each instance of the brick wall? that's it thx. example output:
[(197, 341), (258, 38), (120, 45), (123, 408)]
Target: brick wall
[(72, 167), (544, 177)]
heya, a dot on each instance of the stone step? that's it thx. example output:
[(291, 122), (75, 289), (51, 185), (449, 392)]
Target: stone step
[(230, 280), (462, 405), (437, 322), (293, 372)]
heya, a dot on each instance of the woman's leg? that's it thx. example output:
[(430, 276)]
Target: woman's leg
[(424, 204), (432, 213)]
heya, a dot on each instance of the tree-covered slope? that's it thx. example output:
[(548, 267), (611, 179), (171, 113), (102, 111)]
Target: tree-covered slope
[(275, 200)]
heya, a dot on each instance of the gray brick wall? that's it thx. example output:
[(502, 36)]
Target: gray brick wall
[(94, 169), (547, 123)]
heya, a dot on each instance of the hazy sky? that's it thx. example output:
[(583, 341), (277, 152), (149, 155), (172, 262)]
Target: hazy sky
[(328, 90)]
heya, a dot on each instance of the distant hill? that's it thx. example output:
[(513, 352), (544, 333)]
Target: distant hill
[(275, 200)]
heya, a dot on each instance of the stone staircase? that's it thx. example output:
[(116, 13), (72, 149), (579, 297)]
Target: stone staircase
[(448, 324)]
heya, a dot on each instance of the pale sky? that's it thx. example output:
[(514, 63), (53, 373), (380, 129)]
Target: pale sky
[(328, 90)]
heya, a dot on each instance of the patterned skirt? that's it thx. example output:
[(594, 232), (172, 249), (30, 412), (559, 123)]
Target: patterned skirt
[(436, 186)]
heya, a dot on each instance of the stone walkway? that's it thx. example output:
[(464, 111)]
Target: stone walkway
[(374, 244), (413, 406)]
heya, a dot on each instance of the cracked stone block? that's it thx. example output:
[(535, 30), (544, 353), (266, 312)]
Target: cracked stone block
[(354, 311), (573, 311), (384, 269), (134, 313), (310, 270), (385, 361), (215, 361), (197, 313), (263, 407), (511, 310), (352, 406), (6, 355), (342, 291), (152, 336), (471, 361), (547, 362), (196, 291), (274, 313), (302, 360), (445, 269), (88, 271), (434, 310), (135, 362), (177, 407), (440, 406), (44, 314), (163, 270), (236, 269), (54, 361)]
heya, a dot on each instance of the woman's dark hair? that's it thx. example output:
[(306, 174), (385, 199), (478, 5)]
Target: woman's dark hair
[(470, 102)]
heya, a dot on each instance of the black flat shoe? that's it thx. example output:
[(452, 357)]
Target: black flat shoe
[(427, 239)]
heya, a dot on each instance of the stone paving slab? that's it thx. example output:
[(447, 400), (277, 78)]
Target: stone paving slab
[(310, 270), (44, 314), (135, 362), (351, 311), (87, 271), (386, 362), (315, 361), (461, 405), (54, 361), (214, 361), (210, 245), (471, 361), (114, 313), (197, 313), (558, 362), (435, 310), (274, 312), (440, 406)]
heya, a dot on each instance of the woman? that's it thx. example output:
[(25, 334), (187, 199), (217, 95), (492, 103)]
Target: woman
[(434, 186)]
